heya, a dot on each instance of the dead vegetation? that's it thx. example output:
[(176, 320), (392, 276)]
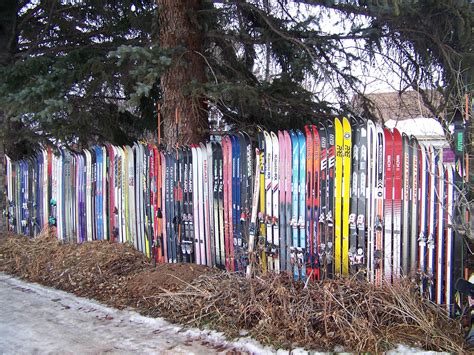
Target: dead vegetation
[(344, 312), (273, 309)]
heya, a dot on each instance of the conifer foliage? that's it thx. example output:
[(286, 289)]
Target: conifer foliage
[(81, 72)]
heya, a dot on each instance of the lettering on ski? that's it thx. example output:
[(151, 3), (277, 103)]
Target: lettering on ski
[(262, 238), (431, 224), (204, 204), (253, 217), (268, 198), (406, 201), (388, 228), (301, 248), (315, 261), (338, 197), (220, 199), (414, 205), (215, 196), (275, 245), (397, 202), (440, 236), (331, 158), (226, 187), (450, 201), (361, 254), (294, 203), (354, 197), (282, 187), (423, 217), (346, 183), (371, 198), (323, 193), (235, 204), (379, 204), (288, 200), (309, 199)]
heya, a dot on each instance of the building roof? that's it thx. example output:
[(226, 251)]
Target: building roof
[(397, 106), (405, 111)]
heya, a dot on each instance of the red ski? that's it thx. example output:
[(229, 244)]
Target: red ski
[(315, 265), (227, 175), (388, 219), (111, 193), (309, 199), (397, 202)]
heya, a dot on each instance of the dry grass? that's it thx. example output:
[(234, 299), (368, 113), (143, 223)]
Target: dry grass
[(343, 312), (96, 269), (275, 310)]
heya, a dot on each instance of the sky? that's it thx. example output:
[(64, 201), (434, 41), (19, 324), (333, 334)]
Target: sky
[(375, 77)]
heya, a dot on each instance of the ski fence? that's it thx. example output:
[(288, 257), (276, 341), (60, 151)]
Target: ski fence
[(344, 197)]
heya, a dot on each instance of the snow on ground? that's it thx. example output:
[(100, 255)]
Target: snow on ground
[(403, 349), (38, 319)]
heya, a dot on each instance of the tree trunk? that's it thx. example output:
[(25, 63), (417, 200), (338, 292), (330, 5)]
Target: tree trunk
[(470, 150), (178, 28), (8, 41)]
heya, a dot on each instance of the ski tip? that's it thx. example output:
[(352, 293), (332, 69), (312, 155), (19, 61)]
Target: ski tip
[(346, 122), (396, 132)]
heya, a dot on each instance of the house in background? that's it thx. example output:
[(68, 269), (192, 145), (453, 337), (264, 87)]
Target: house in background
[(408, 113)]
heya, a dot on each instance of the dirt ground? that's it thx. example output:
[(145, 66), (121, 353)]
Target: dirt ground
[(110, 272), (344, 313)]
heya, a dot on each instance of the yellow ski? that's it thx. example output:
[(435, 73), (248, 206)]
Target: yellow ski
[(346, 186), (338, 197)]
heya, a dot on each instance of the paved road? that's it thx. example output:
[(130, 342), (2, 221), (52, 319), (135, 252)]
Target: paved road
[(37, 319)]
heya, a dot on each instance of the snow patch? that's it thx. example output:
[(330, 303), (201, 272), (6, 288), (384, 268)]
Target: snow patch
[(243, 332), (420, 127), (36, 318), (253, 347), (405, 349)]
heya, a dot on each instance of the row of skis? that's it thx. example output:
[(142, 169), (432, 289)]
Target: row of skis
[(339, 198)]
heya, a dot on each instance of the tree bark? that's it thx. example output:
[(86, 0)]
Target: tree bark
[(8, 37), (179, 29), (8, 42)]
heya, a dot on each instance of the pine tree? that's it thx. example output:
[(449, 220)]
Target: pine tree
[(81, 72), (86, 72)]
